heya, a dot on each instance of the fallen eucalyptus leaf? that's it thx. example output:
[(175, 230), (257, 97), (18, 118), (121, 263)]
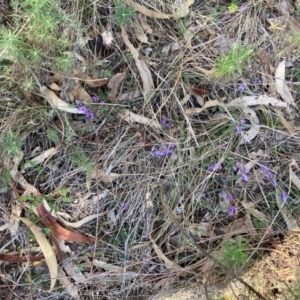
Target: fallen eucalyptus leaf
[(141, 36), (46, 249), (286, 95), (250, 208), (114, 84), (147, 12), (148, 85), (55, 101), (102, 176), (288, 218), (79, 93), (183, 10), (256, 100), (59, 231), (168, 263), (130, 117), (208, 104), (40, 158), (279, 77), (68, 285), (80, 223), (145, 24)]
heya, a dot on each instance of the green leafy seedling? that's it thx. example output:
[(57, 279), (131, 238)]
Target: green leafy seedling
[(11, 144), (123, 13), (229, 65)]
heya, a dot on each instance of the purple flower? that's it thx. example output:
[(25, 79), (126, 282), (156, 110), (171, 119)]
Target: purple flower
[(274, 183), (163, 121), (284, 196), (238, 165), (224, 147), (242, 7), (83, 109), (214, 167), (166, 150), (86, 112), (102, 102), (95, 98), (239, 128), (90, 115), (245, 177), (267, 173), (92, 247), (241, 87), (243, 120), (257, 81), (79, 102), (231, 210), (122, 205), (229, 197)]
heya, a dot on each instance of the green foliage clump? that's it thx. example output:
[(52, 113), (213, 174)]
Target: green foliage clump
[(5, 179), (11, 144), (81, 160), (34, 37), (233, 63), (235, 255), (123, 13)]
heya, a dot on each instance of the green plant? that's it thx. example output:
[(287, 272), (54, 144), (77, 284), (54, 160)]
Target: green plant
[(121, 237), (5, 179), (233, 7), (81, 160), (182, 27), (234, 255), (297, 11), (34, 37), (232, 63), (52, 135), (292, 292), (123, 13), (11, 144)]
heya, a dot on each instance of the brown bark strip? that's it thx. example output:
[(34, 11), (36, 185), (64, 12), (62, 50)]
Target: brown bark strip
[(17, 258)]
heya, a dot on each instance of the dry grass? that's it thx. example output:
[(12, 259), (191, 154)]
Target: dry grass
[(167, 221)]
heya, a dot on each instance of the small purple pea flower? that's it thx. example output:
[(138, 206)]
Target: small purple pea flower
[(239, 128), (241, 87), (231, 210), (122, 205), (214, 167), (83, 109), (284, 196), (257, 81), (245, 177), (95, 98), (165, 122), (166, 150), (243, 120), (79, 102), (92, 247)]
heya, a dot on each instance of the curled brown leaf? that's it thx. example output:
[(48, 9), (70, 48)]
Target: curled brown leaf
[(58, 230)]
